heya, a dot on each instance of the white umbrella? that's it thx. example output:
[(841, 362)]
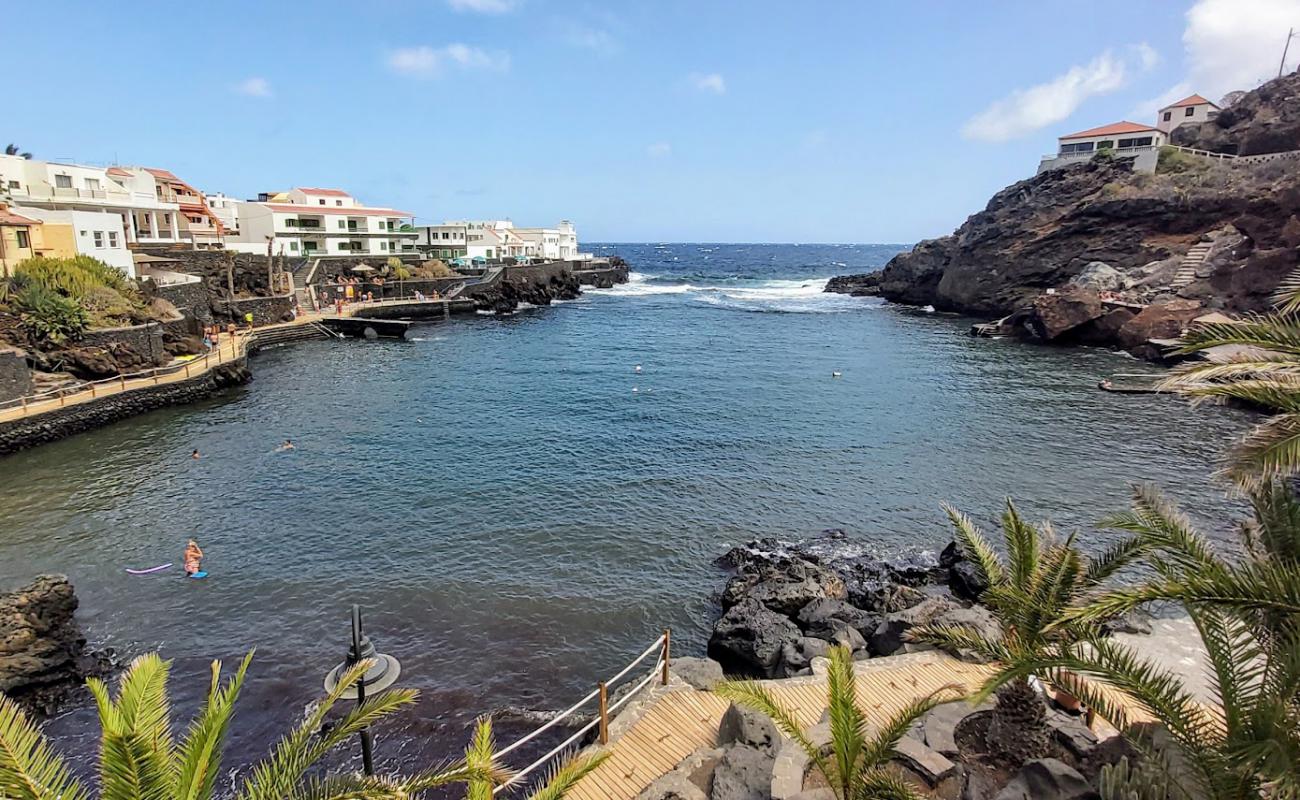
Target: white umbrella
[(363, 268)]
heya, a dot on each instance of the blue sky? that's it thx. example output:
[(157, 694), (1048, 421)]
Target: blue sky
[(672, 120)]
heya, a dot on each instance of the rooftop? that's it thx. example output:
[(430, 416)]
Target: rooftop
[(1190, 100), (358, 211), (323, 192), (1114, 129), (8, 217)]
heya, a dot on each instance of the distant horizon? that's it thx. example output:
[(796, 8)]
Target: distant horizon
[(845, 125)]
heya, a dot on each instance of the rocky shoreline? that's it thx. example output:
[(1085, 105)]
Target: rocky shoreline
[(1096, 254)]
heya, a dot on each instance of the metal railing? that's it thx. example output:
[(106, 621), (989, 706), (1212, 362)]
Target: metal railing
[(604, 710), (85, 390)]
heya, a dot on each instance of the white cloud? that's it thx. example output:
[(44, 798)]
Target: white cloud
[(711, 82), (659, 150), (483, 6), (593, 39), (1027, 110), (1147, 56), (1237, 44), (254, 87), (430, 62), (1149, 107)]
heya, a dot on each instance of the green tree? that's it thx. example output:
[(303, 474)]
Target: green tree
[(1246, 744), (480, 758), (140, 759), (1261, 367), (1029, 595), (855, 764)]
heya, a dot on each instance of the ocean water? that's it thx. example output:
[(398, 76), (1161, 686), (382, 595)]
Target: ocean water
[(519, 511)]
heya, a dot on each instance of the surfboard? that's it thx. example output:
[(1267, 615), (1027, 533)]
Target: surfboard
[(199, 575), (158, 568)]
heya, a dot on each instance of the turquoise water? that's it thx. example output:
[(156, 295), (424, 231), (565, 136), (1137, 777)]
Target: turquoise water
[(519, 511)]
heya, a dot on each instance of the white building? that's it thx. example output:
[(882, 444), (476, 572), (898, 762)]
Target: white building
[(495, 239), (307, 221), (148, 214), (559, 243), (1121, 139), (441, 241), (196, 223), (1190, 109), (98, 233), (226, 209)]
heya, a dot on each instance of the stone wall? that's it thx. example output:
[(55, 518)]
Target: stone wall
[(51, 426), (265, 310), (146, 340), (15, 377), (190, 299)]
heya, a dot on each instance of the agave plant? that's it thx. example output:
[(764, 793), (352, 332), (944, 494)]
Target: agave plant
[(480, 757), (855, 764), (1030, 593), (140, 759)]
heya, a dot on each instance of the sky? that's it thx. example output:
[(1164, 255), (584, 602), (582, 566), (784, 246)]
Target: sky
[(656, 120)]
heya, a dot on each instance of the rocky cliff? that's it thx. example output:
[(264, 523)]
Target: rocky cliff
[(1099, 227), (42, 651)]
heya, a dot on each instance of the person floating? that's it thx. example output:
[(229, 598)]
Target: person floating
[(193, 558), (288, 445), (195, 455)]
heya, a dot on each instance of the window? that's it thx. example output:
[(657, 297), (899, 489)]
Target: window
[(22, 239), (1078, 147), (383, 245), (322, 202), (15, 185), (167, 218), (63, 181), (293, 246), (1169, 115), (291, 223), (92, 184), (1190, 111), (446, 235), (343, 225), (338, 202), (99, 239), (112, 238), (1129, 144)]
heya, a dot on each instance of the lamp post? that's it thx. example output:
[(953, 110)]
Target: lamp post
[(383, 673)]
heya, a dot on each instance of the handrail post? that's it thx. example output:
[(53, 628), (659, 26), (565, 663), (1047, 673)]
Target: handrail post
[(668, 640), (604, 713)]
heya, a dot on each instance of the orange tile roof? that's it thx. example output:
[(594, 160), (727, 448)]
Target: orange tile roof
[(1113, 129), (164, 174), (118, 172), (324, 192), (1191, 100), (8, 217), (302, 208)]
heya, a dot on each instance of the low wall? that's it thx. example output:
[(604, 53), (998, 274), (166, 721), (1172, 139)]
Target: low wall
[(15, 377), (389, 290), (189, 298), (146, 339), (50, 426), (603, 278), (433, 309), (265, 310)]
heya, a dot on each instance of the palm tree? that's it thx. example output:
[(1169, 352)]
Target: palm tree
[(12, 150), (856, 765), (1263, 370), (480, 757), (1029, 594), (140, 759), (1247, 743)]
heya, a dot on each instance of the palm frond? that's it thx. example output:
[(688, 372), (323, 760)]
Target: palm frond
[(956, 638), (882, 785), (480, 756), (1287, 294), (29, 768), (1022, 545), (751, 694), (1113, 559), (975, 546), (880, 749), (1271, 451), (848, 724), (1278, 332), (198, 762), (1161, 526), (1275, 530), (562, 779)]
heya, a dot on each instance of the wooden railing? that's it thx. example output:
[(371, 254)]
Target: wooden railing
[(231, 350), (604, 710)]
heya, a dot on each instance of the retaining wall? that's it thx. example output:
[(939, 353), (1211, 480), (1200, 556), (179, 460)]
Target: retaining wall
[(189, 298), (50, 426), (146, 339), (15, 377), (265, 310)]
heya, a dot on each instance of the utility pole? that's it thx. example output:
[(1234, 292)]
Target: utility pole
[(1289, 36)]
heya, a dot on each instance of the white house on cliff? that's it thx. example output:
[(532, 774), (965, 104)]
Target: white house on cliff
[(1131, 139)]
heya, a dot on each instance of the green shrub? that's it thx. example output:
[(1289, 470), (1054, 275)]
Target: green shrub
[(108, 308), (50, 316), (74, 277), (1173, 161)]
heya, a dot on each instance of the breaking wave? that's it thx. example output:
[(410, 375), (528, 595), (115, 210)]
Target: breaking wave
[(799, 296)]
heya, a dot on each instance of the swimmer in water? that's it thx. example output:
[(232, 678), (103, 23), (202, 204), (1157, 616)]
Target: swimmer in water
[(195, 454), (193, 558), (288, 445)]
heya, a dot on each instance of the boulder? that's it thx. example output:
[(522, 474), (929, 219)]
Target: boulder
[(701, 673), (825, 619), (746, 726), (743, 773), (796, 657), (785, 587), (41, 647), (748, 639), (1057, 314), (967, 581), (1098, 276), (1047, 779), (1159, 321), (862, 285), (890, 636)]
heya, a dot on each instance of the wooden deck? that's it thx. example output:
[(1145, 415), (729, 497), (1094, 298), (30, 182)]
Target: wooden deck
[(678, 720)]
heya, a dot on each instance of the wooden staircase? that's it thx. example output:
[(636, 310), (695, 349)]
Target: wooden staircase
[(1187, 269)]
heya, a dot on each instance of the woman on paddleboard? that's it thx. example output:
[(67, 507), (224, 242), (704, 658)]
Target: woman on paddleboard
[(193, 557)]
